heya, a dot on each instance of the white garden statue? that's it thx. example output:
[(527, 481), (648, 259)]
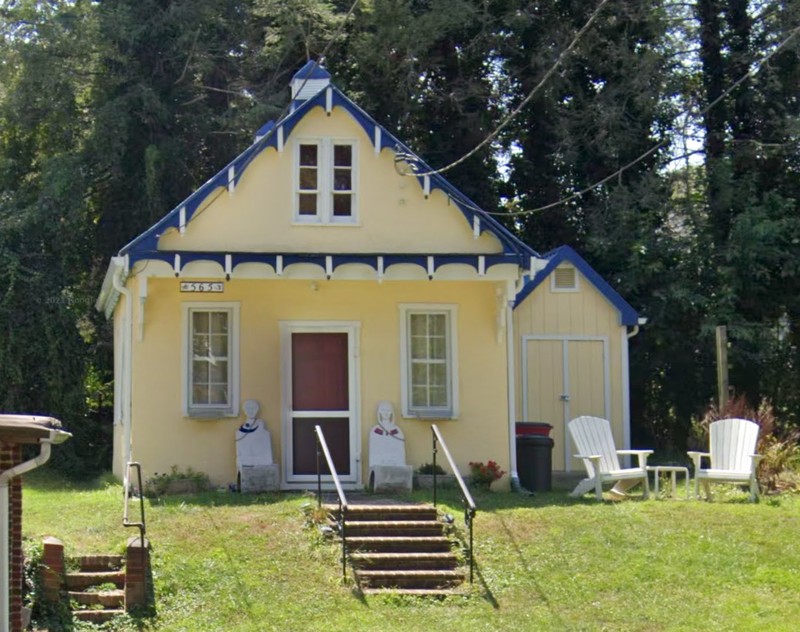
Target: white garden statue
[(255, 470), (388, 470)]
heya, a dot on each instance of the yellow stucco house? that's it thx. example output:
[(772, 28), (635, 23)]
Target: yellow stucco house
[(315, 275)]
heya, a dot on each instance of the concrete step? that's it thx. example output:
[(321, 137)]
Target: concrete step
[(414, 579), (97, 616), (404, 561), (393, 528), (79, 581), (96, 563), (398, 544), (106, 598)]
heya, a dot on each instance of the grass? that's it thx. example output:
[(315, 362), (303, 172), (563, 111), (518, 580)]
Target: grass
[(228, 562)]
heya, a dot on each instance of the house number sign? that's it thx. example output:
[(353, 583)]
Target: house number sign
[(202, 286)]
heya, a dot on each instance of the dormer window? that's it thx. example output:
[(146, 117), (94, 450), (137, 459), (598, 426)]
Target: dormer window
[(325, 181)]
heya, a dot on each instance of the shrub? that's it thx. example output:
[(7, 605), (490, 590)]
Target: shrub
[(484, 475), (176, 482), (778, 445), (430, 468)]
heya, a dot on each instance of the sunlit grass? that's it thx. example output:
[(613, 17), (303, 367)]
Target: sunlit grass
[(227, 562)]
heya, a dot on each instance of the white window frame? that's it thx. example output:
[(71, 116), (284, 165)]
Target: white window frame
[(325, 167), (210, 411), (451, 312)]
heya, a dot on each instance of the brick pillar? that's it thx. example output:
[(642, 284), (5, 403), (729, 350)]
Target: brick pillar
[(11, 455), (137, 571), (52, 569)]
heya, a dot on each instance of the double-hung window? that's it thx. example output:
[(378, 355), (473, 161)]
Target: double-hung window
[(325, 188), (428, 359), (211, 359)]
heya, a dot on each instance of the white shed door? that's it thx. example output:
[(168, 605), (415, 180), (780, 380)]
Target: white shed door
[(564, 378)]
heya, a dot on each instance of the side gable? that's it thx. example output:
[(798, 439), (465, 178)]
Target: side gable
[(628, 316)]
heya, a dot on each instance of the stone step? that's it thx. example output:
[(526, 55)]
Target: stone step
[(398, 544), (79, 581), (96, 563), (404, 561), (106, 598), (97, 616), (416, 579), (393, 528)]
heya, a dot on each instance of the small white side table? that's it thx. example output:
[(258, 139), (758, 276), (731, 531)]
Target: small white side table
[(673, 470)]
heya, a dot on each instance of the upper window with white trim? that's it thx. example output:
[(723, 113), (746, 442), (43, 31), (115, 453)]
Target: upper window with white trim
[(325, 181), (428, 359), (211, 361)]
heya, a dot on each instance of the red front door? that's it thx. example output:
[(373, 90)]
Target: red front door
[(320, 394)]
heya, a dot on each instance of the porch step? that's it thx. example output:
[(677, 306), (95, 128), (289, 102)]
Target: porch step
[(80, 580), (383, 513), (414, 579), (404, 561), (106, 598), (414, 592), (398, 544), (394, 528), (97, 616)]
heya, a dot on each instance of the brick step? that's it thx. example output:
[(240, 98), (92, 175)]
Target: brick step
[(95, 563), (387, 512), (398, 544), (78, 581), (416, 579), (107, 598), (404, 561), (415, 592), (97, 616), (393, 528)]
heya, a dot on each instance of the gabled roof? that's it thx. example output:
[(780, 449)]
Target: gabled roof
[(275, 135), (628, 315)]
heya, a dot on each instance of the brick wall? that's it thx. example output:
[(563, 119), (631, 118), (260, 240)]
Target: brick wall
[(11, 455)]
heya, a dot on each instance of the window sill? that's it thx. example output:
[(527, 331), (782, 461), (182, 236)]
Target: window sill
[(209, 415), (314, 222)]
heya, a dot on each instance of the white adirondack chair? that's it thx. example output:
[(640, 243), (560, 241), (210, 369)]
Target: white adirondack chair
[(732, 447), (595, 444)]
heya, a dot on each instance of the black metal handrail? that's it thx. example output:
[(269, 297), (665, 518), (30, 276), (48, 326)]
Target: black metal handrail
[(322, 449), (466, 498), (141, 524)]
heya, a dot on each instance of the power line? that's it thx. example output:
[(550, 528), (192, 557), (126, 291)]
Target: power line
[(750, 73), (411, 159)]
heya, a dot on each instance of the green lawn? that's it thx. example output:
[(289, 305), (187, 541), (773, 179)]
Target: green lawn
[(226, 562)]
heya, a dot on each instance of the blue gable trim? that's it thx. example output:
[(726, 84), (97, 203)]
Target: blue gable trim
[(628, 316), (232, 172)]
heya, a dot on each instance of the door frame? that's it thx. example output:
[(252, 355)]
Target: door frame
[(353, 330), (565, 339)]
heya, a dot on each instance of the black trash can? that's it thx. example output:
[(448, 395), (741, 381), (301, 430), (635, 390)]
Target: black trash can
[(535, 462)]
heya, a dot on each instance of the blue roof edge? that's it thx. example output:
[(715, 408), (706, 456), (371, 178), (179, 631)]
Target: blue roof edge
[(627, 314), (148, 240)]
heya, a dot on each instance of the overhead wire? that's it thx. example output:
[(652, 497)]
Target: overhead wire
[(750, 73), (410, 159), (315, 64)]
